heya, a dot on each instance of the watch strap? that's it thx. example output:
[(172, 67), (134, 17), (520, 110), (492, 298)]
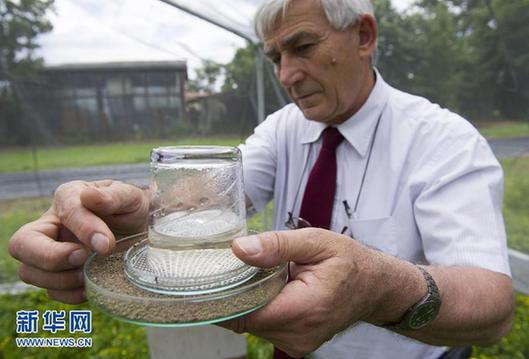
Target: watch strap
[(432, 299)]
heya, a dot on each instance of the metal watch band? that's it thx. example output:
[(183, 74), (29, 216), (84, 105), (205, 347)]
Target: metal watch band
[(432, 286), (425, 310)]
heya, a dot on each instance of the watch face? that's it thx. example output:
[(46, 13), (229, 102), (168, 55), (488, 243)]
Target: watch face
[(423, 315)]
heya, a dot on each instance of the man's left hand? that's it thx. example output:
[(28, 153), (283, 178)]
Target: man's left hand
[(329, 288)]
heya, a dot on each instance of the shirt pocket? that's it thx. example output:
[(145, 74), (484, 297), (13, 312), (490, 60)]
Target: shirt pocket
[(378, 233)]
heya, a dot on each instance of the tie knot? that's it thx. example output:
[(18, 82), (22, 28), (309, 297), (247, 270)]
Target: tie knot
[(331, 138)]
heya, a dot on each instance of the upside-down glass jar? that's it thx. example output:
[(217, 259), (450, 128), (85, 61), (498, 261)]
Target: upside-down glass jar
[(197, 208)]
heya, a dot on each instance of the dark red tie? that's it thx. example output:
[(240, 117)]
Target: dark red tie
[(318, 198)]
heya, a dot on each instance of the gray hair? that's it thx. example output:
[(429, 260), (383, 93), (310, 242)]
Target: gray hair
[(340, 14)]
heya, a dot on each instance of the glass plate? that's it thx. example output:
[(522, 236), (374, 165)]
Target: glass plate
[(108, 288)]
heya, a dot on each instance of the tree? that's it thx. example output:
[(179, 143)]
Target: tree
[(240, 77), (468, 55), (206, 77), (21, 22), (240, 72), (397, 51), (496, 67)]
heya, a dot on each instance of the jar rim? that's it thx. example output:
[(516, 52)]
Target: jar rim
[(168, 154)]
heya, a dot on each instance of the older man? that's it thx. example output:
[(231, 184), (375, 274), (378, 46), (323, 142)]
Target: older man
[(410, 254)]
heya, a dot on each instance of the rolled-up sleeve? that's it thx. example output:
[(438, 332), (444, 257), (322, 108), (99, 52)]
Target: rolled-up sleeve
[(459, 210)]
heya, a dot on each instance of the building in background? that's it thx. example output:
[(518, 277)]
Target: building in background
[(105, 101)]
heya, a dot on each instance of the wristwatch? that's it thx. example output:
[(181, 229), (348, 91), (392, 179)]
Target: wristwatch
[(424, 311)]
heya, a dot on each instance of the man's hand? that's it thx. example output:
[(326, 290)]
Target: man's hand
[(337, 282), (84, 217), (329, 291)]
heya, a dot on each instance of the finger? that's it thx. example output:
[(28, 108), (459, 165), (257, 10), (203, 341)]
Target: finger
[(308, 245), (31, 245), (74, 296), (65, 235), (71, 279), (294, 270), (84, 224), (115, 198), (286, 308)]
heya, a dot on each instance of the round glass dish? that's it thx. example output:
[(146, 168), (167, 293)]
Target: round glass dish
[(108, 289)]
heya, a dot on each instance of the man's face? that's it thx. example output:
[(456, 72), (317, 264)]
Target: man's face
[(323, 70)]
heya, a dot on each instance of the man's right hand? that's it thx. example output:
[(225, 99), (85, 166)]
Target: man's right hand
[(84, 217)]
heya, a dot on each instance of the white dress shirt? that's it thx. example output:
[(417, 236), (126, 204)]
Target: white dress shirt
[(432, 193)]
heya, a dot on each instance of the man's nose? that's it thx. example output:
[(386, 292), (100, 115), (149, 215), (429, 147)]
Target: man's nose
[(289, 71)]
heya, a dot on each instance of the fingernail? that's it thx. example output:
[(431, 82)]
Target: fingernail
[(104, 194), (250, 245), (100, 243), (77, 257)]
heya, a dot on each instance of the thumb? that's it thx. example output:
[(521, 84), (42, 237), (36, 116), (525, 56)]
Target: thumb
[(302, 246)]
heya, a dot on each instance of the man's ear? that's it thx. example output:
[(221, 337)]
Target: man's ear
[(368, 33)]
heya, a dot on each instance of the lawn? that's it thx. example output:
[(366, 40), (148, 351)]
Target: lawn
[(503, 129), (20, 160), (46, 158), (516, 202), (14, 214)]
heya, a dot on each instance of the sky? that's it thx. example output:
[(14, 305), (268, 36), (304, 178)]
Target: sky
[(144, 30)]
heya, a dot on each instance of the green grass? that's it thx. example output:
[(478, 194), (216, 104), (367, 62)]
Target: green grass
[(20, 160), (516, 202), (516, 344), (115, 339), (13, 214), (504, 129)]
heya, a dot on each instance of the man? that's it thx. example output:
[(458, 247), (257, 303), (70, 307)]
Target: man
[(415, 186)]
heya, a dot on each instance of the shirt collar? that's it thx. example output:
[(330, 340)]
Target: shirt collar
[(359, 128)]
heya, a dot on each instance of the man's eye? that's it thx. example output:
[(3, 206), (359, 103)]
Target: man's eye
[(304, 48), (276, 59)]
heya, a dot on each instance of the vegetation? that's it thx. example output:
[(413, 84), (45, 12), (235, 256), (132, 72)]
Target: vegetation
[(504, 129), (21, 22), (110, 338), (14, 214), (469, 56), (115, 339), (516, 205), (21, 160)]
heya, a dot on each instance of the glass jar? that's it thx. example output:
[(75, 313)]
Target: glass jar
[(197, 208)]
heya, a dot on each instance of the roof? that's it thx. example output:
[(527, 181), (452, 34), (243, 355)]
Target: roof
[(119, 66), (191, 96)]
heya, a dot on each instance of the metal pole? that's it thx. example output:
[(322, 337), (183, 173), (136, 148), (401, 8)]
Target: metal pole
[(259, 70)]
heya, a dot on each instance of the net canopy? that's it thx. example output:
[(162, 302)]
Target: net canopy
[(96, 73)]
